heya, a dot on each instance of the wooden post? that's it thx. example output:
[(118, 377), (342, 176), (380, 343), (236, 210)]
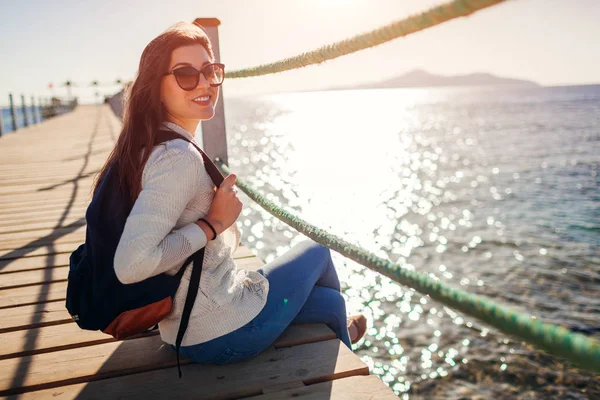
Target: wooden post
[(214, 137), (40, 109), (13, 112), (24, 107), (34, 114)]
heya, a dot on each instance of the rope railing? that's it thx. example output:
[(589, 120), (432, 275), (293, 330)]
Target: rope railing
[(575, 347), (404, 27)]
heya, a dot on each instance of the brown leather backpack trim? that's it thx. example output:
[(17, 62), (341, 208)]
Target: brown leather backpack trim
[(133, 322)]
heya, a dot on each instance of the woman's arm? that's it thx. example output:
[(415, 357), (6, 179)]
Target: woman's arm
[(210, 235), (149, 245)]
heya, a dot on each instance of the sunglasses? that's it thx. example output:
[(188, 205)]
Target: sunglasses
[(188, 77)]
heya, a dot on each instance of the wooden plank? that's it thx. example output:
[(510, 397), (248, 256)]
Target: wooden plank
[(243, 252), (282, 387), (40, 210), (39, 177), (303, 334), (10, 247), (42, 237), (64, 193), (32, 294), (60, 337), (70, 143), (38, 238), (33, 316), (129, 360), (59, 158), (62, 153), (64, 160), (59, 260), (250, 263), (60, 273), (28, 295), (34, 216), (52, 338), (31, 263), (69, 246), (37, 251), (42, 180), (60, 195), (43, 205), (65, 166), (43, 183), (78, 142), (35, 277), (27, 221), (9, 190), (26, 224), (351, 388)]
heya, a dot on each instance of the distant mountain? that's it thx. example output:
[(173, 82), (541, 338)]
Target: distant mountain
[(420, 78)]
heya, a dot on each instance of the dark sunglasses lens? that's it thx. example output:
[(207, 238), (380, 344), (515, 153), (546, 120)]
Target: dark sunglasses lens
[(214, 74), (187, 77)]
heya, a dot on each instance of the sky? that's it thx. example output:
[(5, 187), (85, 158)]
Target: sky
[(551, 42)]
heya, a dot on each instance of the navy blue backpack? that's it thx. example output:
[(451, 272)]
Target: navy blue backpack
[(96, 299)]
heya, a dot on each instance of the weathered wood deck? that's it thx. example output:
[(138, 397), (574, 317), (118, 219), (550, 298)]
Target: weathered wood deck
[(46, 173)]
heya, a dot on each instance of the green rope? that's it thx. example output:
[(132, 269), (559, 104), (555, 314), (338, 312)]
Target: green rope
[(577, 348), (404, 27)]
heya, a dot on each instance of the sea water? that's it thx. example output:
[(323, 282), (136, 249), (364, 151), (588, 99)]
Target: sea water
[(493, 190)]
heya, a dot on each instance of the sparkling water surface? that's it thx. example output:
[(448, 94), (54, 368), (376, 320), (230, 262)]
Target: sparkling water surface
[(493, 190)]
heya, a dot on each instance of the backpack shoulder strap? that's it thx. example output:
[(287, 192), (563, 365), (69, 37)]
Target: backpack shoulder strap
[(164, 135), (213, 171), (197, 257)]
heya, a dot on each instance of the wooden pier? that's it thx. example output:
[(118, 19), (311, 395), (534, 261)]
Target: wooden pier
[(46, 172)]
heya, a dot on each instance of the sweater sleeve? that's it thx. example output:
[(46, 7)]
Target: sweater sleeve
[(149, 245)]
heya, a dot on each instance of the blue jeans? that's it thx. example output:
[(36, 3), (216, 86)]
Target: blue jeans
[(303, 288)]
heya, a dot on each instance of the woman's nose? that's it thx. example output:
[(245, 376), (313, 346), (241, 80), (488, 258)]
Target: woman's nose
[(203, 82)]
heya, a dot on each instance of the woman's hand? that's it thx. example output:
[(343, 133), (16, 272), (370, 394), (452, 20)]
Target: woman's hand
[(226, 206)]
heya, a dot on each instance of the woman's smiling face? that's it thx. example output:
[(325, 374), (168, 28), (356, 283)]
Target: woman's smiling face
[(180, 105)]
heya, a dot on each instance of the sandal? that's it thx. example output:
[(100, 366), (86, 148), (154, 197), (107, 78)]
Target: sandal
[(360, 324)]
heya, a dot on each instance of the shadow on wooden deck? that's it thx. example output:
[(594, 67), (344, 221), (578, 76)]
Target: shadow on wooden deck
[(44, 192)]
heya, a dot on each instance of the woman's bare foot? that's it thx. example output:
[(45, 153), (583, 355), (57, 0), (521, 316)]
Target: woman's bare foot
[(357, 327)]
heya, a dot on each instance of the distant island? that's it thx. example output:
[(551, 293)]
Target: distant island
[(421, 78)]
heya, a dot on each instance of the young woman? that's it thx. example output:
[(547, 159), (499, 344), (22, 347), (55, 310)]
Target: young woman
[(237, 313)]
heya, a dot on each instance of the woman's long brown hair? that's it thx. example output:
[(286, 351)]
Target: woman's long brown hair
[(143, 110)]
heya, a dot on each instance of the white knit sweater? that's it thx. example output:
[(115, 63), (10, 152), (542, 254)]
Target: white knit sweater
[(160, 234)]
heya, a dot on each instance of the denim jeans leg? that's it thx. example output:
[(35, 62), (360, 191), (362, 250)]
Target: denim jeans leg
[(326, 305), (330, 278), (292, 276), (314, 255)]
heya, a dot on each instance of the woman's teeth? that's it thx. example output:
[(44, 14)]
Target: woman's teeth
[(202, 100)]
